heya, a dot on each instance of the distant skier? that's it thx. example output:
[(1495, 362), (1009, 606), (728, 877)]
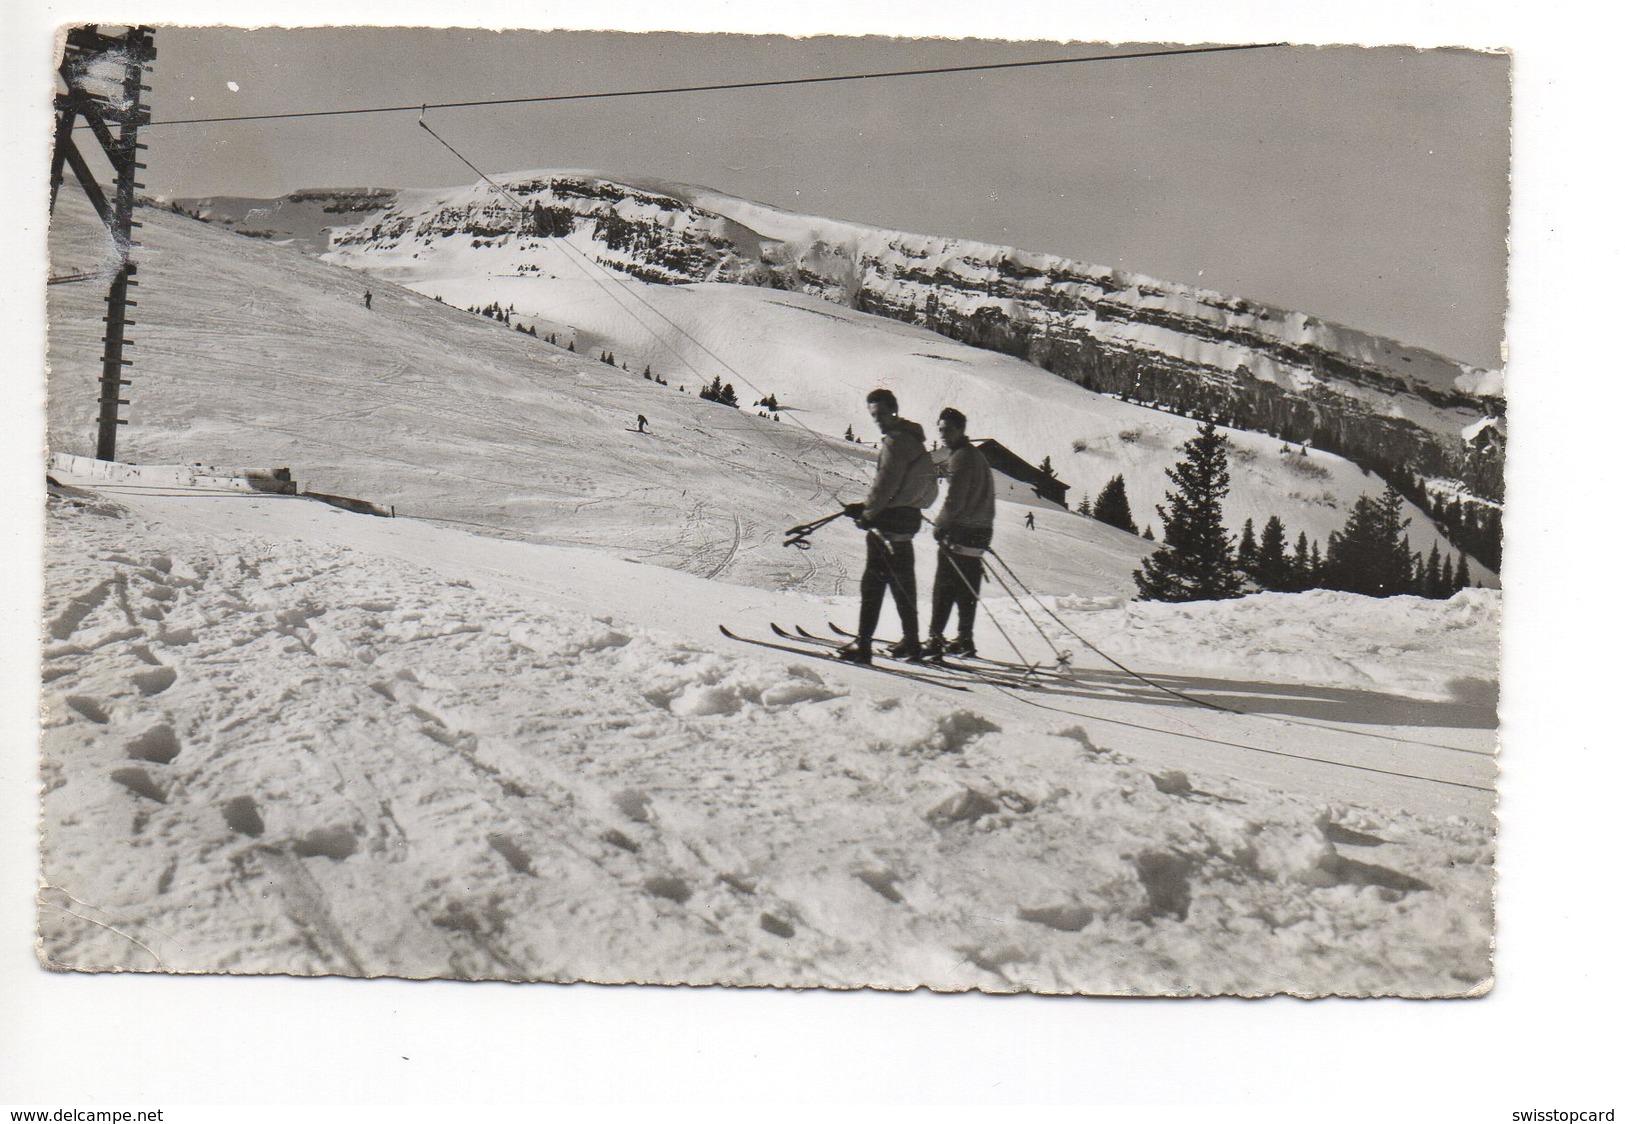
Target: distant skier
[(643, 424), (366, 298), (1029, 521), (905, 481), (964, 532)]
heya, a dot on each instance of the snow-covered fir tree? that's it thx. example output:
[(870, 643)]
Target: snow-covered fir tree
[(1197, 559), (1111, 506), (1247, 551), (1371, 554), (1273, 568)]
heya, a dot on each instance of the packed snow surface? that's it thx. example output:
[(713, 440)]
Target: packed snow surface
[(284, 738)]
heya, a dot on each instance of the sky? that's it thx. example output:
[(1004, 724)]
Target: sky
[(1365, 186)]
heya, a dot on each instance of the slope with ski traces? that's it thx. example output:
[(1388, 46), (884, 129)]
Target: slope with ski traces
[(284, 738), (254, 354), (819, 359)]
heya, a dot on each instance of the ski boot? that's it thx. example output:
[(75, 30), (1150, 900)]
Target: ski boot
[(935, 647), (961, 646), (856, 652), (908, 648)]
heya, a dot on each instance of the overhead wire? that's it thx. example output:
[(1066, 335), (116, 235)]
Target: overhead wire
[(1243, 745), (1208, 703), (721, 86)]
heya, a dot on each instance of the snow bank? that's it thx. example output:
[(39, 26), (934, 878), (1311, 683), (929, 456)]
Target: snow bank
[(270, 755), (1407, 646)]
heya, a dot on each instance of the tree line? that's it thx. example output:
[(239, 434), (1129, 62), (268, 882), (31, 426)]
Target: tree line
[(1200, 560)]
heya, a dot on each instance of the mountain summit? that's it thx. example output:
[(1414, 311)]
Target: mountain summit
[(1392, 409)]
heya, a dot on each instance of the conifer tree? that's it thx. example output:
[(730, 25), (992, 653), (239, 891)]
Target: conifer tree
[(1447, 578), (1083, 505), (849, 436), (1046, 468), (1148, 534), (1111, 506), (1196, 561), (1274, 569), (1464, 572), (1247, 551), (1370, 555), (1303, 574), (1431, 574)]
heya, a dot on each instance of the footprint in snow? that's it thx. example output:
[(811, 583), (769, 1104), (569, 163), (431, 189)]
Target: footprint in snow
[(67, 622), (138, 782), (1167, 882), (243, 816), (156, 681), (619, 839), (668, 887), (336, 843), (87, 707), (1064, 918), (634, 805), (158, 745), (504, 845), (777, 926), (882, 882)]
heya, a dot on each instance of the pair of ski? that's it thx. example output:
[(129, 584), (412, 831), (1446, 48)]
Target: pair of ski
[(827, 650), (1000, 673), (976, 663), (954, 676)]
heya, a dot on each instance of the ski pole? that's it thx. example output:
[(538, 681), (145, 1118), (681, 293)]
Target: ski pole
[(1008, 639), (1103, 655), (798, 536)]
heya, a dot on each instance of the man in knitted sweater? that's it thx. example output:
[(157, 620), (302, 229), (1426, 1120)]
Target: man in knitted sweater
[(905, 481), (964, 532)]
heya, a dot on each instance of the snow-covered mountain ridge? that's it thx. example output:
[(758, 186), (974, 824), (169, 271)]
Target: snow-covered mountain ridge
[(1192, 351), (306, 218), (448, 415)]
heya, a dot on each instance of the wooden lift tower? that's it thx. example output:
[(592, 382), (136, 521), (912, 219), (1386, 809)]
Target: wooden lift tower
[(101, 86)]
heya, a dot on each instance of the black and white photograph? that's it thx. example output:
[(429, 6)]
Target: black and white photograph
[(951, 514), (667, 526)]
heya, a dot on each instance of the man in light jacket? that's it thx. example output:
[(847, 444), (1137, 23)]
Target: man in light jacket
[(905, 481), (964, 533)]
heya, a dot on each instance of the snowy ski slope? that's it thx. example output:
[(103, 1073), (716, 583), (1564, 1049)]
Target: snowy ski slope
[(501, 737)]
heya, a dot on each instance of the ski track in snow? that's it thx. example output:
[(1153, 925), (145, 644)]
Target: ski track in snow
[(267, 754)]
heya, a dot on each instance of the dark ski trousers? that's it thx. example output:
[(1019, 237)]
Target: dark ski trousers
[(888, 564), (959, 581)]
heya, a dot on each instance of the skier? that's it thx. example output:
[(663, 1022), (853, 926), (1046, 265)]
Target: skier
[(643, 424), (964, 532), (366, 298), (1030, 525), (905, 481)]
